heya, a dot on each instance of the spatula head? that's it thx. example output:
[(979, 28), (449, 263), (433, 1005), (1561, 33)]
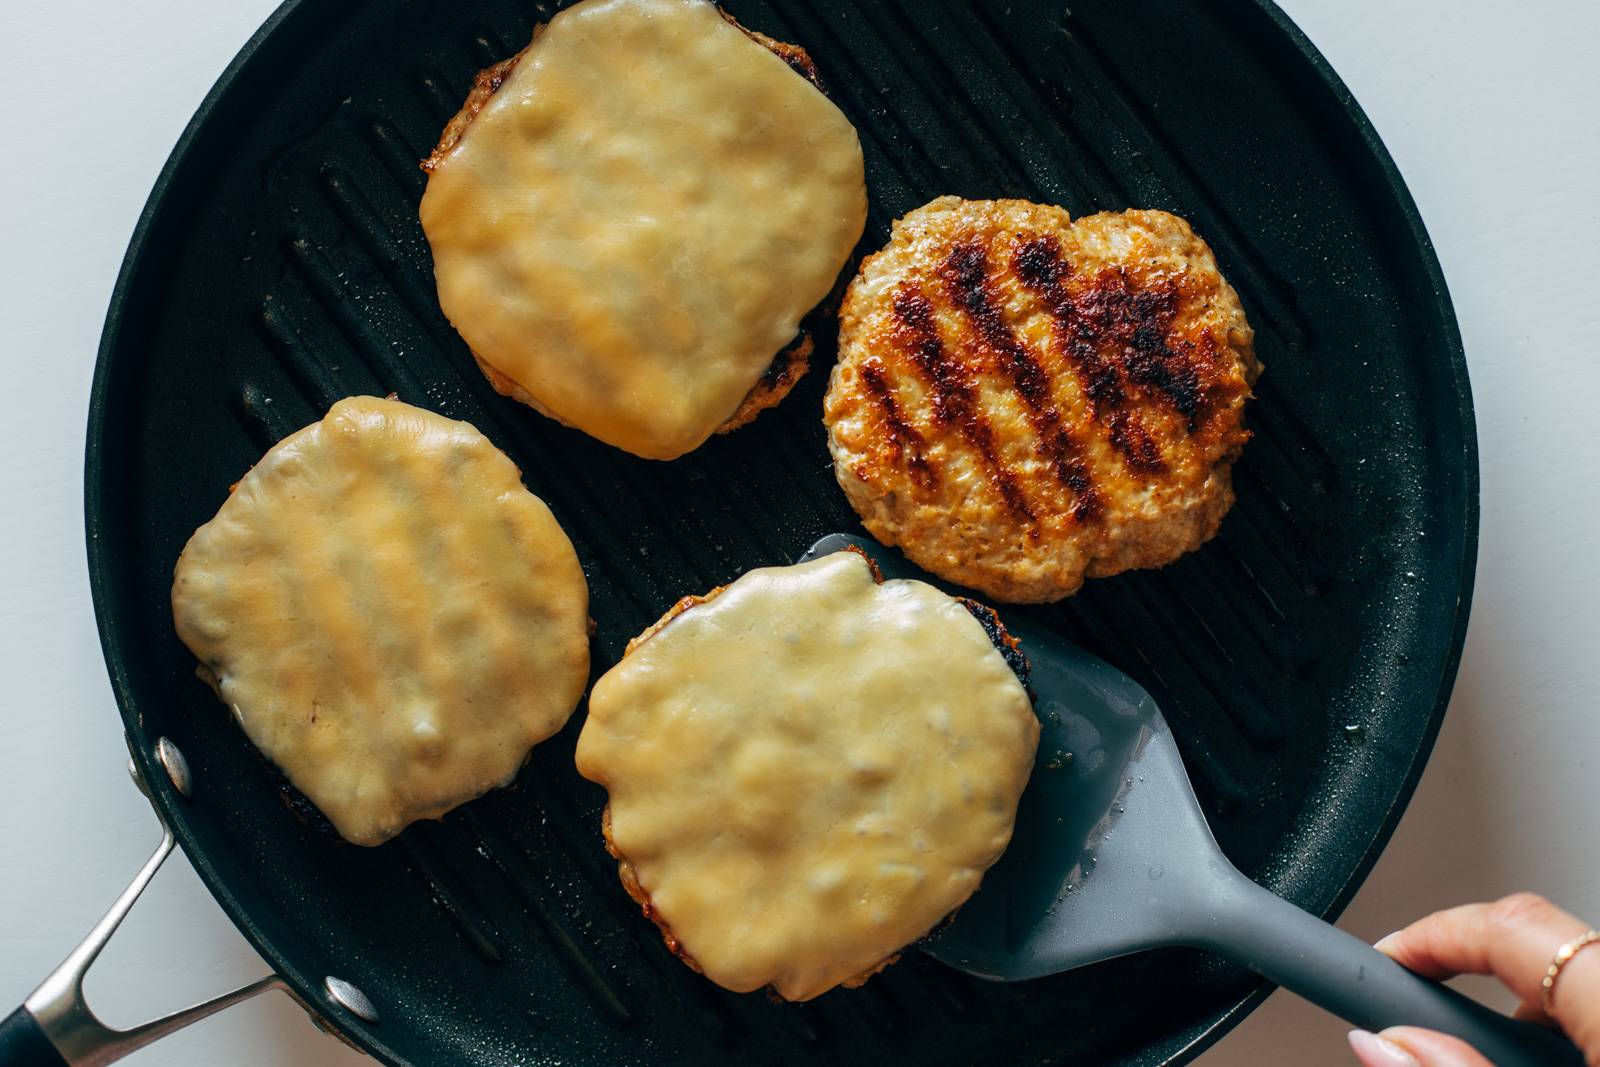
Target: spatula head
[(1111, 853)]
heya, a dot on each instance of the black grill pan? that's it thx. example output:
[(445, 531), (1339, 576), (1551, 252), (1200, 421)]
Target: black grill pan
[(1304, 657)]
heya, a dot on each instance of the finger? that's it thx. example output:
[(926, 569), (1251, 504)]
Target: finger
[(1513, 939), (1532, 1013), (1374, 1051), (1428, 1048)]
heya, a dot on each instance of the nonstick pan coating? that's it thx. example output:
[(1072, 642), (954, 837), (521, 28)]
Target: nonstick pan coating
[(1303, 658)]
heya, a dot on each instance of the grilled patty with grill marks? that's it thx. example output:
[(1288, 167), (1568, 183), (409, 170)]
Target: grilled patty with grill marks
[(1022, 401)]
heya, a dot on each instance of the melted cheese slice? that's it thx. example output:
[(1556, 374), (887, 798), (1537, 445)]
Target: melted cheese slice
[(392, 617), (632, 227), (810, 770)]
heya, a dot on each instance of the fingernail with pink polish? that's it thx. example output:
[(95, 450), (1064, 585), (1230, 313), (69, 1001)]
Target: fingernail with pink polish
[(1374, 1051)]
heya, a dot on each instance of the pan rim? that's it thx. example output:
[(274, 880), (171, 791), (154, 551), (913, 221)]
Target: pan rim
[(307, 988)]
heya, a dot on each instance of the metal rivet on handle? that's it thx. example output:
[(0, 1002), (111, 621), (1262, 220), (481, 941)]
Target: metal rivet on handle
[(350, 998), (176, 766)]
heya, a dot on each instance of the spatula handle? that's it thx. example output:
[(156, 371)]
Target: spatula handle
[(1353, 980)]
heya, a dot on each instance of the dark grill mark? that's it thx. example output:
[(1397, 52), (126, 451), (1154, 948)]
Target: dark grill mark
[(966, 276), (1116, 335), (966, 273), (1139, 320), (904, 440), (1041, 269), (1087, 506), (1129, 437), (950, 393)]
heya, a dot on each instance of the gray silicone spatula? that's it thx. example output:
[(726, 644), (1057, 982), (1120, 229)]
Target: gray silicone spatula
[(1111, 855)]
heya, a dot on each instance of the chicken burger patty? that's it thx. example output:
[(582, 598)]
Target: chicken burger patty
[(390, 615), (630, 218), (1022, 401), (808, 769)]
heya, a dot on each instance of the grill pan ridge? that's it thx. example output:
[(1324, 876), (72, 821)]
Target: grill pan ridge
[(1303, 658)]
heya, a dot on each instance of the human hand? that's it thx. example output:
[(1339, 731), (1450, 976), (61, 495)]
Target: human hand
[(1515, 939)]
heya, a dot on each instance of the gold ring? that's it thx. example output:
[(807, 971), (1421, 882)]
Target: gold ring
[(1564, 954)]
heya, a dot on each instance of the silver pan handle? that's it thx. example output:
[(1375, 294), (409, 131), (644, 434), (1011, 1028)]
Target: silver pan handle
[(55, 1026)]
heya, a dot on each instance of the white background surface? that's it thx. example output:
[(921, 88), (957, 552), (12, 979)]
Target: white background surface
[(1489, 108)]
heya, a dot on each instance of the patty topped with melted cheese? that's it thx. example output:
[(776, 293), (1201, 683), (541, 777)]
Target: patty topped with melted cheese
[(390, 615), (1022, 400), (630, 218), (808, 769)]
